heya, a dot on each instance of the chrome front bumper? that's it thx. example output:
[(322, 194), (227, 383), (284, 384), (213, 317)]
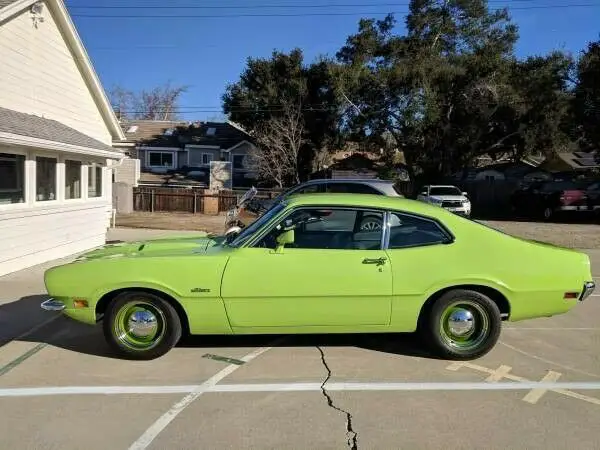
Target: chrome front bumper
[(53, 305), (588, 288)]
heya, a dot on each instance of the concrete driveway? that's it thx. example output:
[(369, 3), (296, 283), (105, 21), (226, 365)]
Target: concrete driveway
[(60, 387)]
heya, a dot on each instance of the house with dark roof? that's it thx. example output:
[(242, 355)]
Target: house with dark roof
[(57, 130), (171, 146)]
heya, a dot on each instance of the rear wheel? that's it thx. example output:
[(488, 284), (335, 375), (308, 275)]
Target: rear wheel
[(141, 325), (463, 324), (371, 223)]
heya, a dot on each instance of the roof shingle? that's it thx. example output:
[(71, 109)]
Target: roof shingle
[(23, 124)]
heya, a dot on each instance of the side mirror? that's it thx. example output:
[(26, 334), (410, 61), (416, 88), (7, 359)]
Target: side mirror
[(423, 192), (287, 237), (466, 194)]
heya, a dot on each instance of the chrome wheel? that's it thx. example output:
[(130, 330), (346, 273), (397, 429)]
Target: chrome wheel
[(464, 325), (369, 224), (139, 325)]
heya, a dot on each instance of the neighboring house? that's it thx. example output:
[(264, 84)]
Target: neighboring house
[(56, 133), (503, 171), (573, 161), (166, 146)]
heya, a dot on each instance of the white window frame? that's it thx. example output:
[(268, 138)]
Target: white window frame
[(27, 178), (59, 175), (210, 158), (173, 153), (102, 167), (81, 176)]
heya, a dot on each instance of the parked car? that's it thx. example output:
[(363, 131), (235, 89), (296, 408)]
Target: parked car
[(249, 208), (546, 199), (448, 197), (306, 266)]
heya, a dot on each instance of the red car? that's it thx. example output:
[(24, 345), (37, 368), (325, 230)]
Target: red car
[(548, 198)]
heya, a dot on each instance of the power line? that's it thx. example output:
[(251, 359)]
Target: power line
[(325, 14), (267, 6)]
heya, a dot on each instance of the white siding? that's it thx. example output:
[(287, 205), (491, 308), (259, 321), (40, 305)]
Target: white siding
[(38, 75), (34, 236), (35, 232)]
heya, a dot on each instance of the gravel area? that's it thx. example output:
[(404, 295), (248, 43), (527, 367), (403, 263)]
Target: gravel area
[(583, 236)]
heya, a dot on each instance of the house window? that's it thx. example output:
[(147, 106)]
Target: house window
[(206, 158), (45, 178), (238, 161), (72, 179), (160, 159), (12, 178), (94, 180)]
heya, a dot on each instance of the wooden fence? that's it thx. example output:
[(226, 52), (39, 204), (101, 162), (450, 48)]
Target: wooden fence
[(192, 200)]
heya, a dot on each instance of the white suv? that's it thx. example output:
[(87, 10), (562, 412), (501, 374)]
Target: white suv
[(448, 197)]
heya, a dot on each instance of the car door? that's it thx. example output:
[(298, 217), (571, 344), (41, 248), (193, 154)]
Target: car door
[(333, 275), (420, 258)]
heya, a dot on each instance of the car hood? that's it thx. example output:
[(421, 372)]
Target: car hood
[(172, 244), (449, 197)]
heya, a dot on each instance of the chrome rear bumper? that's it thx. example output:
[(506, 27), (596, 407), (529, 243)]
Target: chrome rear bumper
[(588, 288), (53, 305)]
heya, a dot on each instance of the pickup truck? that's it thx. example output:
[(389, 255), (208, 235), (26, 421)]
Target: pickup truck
[(448, 197)]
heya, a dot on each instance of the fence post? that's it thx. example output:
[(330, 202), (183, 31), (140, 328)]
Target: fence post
[(152, 201), (195, 198)]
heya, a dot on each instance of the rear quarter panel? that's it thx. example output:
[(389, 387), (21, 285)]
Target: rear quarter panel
[(194, 281), (533, 277)]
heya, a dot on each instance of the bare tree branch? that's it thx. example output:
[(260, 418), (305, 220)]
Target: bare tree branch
[(279, 142)]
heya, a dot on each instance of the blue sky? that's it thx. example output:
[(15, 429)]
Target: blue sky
[(207, 53)]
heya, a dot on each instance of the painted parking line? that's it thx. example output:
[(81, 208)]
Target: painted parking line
[(561, 388), (163, 421), (551, 328), (301, 387), (535, 394)]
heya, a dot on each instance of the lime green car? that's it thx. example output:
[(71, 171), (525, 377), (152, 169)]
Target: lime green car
[(324, 263)]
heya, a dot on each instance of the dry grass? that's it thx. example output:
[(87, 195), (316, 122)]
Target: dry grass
[(585, 236)]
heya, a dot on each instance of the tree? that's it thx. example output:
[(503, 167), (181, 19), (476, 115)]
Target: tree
[(279, 141), (586, 102), (158, 103), (267, 87), (450, 89)]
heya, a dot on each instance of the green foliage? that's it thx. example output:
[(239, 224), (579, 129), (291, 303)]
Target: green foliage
[(586, 102), (269, 85), (447, 91)]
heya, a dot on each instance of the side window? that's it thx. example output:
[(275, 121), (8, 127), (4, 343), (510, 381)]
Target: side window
[(322, 228), (409, 231)]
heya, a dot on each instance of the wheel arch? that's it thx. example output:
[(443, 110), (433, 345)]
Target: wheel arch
[(497, 297), (105, 299)]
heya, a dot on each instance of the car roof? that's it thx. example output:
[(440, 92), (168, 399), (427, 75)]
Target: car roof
[(350, 180), (366, 201)]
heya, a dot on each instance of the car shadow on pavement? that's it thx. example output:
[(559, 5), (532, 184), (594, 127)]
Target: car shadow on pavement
[(17, 318)]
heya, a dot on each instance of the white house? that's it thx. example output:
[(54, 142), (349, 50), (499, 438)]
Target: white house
[(56, 133)]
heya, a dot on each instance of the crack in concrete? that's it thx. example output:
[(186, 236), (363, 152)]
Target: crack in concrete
[(351, 435)]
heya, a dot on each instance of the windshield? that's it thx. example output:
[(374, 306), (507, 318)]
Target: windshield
[(256, 225), (444, 190)]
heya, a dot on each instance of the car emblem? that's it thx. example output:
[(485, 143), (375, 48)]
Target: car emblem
[(195, 290)]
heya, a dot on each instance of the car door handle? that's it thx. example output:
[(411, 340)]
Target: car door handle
[(378, 261)]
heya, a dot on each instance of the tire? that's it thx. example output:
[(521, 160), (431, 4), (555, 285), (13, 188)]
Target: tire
[(153, 342), (486, 322), (371, 223)]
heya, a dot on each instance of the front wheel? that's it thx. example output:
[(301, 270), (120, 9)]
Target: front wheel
[(463, 324), (141, 325)]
